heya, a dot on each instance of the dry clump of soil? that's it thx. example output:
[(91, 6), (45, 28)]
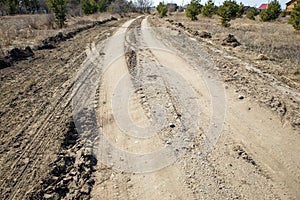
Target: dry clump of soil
[(71, 173), (258, 76)]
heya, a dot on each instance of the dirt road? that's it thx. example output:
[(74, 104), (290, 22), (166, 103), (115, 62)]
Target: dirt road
[(136, 110), (255, 156)]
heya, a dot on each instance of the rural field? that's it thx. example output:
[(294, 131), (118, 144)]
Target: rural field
[(143, 107)]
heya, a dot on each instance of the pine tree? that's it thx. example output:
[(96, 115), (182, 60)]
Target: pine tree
[(88, 6), (295, 16), (252, 13), (272, 12), (228, 11), (58, 7), (162, 9), (209, 9), (193, 10)]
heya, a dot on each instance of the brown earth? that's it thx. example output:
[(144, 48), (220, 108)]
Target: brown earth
[(51, 113), (39, 143)]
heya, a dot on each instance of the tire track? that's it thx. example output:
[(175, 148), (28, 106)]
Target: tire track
[(41, 139)]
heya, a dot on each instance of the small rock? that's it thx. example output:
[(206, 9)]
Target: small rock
[(241, 97), (230, 40), (171, 125), (85, 189), (48, 196), (262, 57), (204, 34)]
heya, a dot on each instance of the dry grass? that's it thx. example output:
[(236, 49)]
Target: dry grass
[(276, 39), (23, 30), (28, 30)]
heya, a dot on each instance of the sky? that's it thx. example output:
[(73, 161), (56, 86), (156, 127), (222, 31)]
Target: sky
[(255, 3)]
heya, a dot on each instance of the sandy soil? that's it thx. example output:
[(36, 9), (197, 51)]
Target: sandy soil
[(249, 160), (143, 109)]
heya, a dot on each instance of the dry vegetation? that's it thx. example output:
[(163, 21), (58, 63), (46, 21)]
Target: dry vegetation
[(276, 39), (28, 30)]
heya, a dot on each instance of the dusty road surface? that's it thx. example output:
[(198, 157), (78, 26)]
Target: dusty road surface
[(136, 109)]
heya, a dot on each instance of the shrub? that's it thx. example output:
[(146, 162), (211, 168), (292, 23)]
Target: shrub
[(88, 6), (102, 5), (162, 9), (272, 12), (193, 10), (252, 13), (295, 16), (227, 12), (240, 10), (12, 7), (209, 9), (58, 7)]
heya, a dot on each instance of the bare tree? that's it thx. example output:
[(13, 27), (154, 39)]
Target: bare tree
[(120, 7), (143, 5)]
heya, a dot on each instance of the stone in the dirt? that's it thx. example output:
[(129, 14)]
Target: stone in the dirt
[(230, 40), (171, 125), (195, 33), (48, 196), (204, 34), (262, 57), (180, 25), (241, 97)]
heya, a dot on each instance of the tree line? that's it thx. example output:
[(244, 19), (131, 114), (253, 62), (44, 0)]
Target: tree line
[(11, 7), (61, 8), (230, 10)]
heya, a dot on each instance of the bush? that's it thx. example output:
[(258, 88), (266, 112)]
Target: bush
[(12, 7), (209, 9), (272, 12), (240, 10), (228, 11), (252, 13), (162, 9), (88, 6), (102, 5), (58, 7), (295, 16), (193, 10)]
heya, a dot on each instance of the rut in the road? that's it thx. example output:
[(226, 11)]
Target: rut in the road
[(37, 119)]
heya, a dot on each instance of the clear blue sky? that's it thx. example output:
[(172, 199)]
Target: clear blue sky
[(255, 3)]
